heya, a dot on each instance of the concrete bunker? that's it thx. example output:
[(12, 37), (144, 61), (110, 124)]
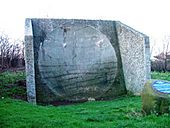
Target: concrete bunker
[(75, 60)]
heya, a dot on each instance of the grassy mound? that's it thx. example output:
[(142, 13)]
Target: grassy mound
[(120, 113), (12, 84)]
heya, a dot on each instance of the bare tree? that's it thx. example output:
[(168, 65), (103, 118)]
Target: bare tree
[(162, 59), (4, 48), (10, 52), (166, 51)]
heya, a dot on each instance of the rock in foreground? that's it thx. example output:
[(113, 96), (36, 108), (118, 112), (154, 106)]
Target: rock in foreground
[(156, 97)]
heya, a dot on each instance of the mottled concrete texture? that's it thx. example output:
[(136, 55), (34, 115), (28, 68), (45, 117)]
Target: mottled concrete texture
[(74, 60), (135, 54), (29, 62)]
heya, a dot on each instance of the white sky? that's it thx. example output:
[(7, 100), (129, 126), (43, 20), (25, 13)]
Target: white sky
[(151, 17)]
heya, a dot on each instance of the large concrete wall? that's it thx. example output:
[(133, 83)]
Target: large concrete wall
[(79, 59), (135, 54)]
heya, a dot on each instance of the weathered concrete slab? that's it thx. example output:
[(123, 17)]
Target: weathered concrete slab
[(135, 54), (29, 62), (76, 60)]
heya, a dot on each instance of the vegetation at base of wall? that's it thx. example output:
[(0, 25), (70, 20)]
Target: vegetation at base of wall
[(118, 113)]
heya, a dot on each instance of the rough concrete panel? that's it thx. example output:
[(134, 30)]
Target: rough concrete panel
[(76, 60), (29, 59), (147, 57), (133, 48)]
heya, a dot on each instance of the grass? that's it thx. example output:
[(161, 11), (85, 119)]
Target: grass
[(124, 112), (9, 86), (161, 75), (11, 77), (120, 113)]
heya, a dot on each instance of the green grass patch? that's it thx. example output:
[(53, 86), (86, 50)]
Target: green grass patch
[(124, 112), (9, 86), (161, 75), (11, 77), (119, 113)]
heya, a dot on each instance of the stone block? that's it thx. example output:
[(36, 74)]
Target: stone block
[(156, 97)]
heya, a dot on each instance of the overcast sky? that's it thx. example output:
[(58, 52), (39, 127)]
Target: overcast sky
[(151, 17)]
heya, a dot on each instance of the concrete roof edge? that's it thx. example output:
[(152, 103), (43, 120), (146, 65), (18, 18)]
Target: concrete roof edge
[(132, 29)]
